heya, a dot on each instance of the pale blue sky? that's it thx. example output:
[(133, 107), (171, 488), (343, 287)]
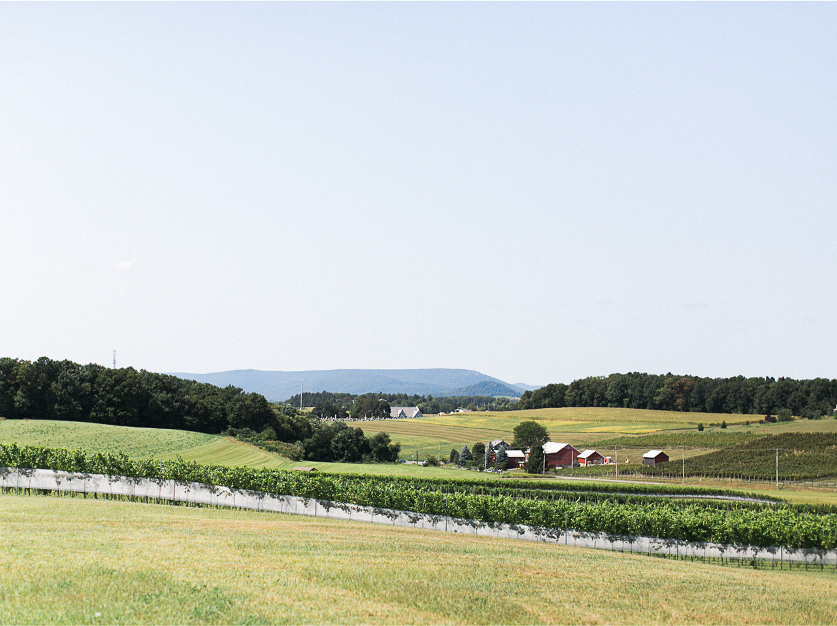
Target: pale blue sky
[(537, 191)]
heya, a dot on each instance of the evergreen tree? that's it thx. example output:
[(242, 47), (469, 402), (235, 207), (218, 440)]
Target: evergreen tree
[(465, 455), (534, 464), (502, 459)]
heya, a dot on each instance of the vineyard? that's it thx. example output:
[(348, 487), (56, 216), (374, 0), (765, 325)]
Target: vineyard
[(801, 456), (662, 441), (618, 510)]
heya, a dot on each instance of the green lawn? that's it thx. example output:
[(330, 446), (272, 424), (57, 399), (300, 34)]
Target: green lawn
[(84, 561)]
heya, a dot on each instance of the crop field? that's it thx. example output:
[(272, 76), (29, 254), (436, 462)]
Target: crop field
[(616, 509), (84, 561), (603, 419), (136, 442), (584, 427), (579, 426)]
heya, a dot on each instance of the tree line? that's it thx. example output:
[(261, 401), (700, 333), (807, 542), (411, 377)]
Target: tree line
[(64, 390), (757, 396), (343, 405)]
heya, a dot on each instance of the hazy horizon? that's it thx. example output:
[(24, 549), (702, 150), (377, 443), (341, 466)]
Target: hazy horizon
[(540, 192)]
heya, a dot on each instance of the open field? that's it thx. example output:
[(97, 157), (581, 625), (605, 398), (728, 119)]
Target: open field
[(167, 444), (582, 427), (62, 560), (136, 442), (579, 426)]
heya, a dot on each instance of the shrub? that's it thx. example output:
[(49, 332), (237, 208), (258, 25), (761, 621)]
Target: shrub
[(700, 427), (724, 424), (784, 415)]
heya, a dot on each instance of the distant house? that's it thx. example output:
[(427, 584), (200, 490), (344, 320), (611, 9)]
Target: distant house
[(654, 458), (559, 454), (303, 468), (590, 457), (495, 445), (516, 458), (404, 412)]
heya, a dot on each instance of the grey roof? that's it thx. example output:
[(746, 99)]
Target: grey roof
[(409, 411), (587, 453), (651, 454)]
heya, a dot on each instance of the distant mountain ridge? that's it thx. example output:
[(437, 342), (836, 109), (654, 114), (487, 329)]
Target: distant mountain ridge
[(441, 382)]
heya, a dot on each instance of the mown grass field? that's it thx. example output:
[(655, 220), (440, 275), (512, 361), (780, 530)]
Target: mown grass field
[(136, 442), (65, 560), (168, 444)]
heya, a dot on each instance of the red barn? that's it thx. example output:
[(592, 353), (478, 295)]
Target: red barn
[(559, 454), (590, 457), (516, 458)]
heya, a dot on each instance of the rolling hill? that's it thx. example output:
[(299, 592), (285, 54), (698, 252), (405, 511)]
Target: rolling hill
[(278, 386)]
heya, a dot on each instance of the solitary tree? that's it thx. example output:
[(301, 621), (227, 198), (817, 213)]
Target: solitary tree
[(528, 433), (489, 455), (383, 450)]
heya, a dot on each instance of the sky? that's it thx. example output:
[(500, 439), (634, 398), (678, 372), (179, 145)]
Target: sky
[(538, 191)]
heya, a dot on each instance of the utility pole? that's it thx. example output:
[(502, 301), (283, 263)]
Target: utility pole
[(777, 469), (300, 395), (616, 454), (684, 465), (114, 359)]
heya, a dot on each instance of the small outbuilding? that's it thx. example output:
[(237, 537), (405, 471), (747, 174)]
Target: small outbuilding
[(590, 457), (303, 468), (654, 458)]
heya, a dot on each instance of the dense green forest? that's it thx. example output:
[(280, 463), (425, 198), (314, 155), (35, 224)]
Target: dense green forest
[(329, 404), (63, 390), (757, 396)]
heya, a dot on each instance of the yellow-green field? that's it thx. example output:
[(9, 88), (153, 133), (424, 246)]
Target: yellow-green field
[(136, 442), (84, 561), (578, 426)]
